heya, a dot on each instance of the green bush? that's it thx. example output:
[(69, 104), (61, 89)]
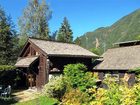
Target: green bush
[(96, 51), (7, 67), (136, 89), (116, 94), (55, 88), (75, 97), (77, 76), (5, 79)]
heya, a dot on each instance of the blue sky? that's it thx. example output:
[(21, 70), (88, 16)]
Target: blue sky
[(83, 15)]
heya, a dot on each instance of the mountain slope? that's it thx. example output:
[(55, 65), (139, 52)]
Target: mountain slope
[(127, 28)]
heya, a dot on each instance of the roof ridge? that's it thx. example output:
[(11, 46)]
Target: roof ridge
[(122, 47), (60, 48), (124, 42), (59, 42), (50, 40)]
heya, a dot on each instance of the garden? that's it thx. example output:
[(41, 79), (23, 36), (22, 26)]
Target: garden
[(77, 86)]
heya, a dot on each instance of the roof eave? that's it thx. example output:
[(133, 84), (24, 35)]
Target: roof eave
[(22, 66), (133, 41), (37, 47), (66, 55), (26, 66), (110, 69), (24, 46)]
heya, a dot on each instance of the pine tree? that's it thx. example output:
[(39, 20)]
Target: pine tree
[(65, 33), (34, 22), (7, 39)]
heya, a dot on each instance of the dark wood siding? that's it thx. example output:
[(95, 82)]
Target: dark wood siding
[(101, 75), (121, 73), (131, 80), (59, 62), (41, 77)]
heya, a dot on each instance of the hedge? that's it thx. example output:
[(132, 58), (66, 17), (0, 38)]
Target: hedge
[(7, 67)]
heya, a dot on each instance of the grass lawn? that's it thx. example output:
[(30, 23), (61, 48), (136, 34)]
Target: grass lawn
[(40, 101)]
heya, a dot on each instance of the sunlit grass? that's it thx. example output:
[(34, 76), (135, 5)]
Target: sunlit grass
[(39, 101)]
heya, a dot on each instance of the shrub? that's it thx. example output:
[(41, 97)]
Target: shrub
[(75, 97), (7, 67), (78, 81), (96, 51), (100, 97), (55, 88), (116, 94), (5, 79), (75, 77), (136, 89), (128, 96), (78, 77)]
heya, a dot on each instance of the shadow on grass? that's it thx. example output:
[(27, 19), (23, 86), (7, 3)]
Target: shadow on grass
[(7, 101), (42, 100)]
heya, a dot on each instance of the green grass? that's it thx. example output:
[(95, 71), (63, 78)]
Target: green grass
[(40, 101)]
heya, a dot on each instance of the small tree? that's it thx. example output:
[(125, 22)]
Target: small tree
[(65, 33)]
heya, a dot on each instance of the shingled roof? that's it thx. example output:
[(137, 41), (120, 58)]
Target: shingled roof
[(25, 61), (122, 58), (52, 48)]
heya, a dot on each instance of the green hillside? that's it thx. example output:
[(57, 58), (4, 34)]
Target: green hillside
[(125, 29)]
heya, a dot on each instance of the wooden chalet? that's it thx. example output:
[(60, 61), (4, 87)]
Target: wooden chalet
[(119, 61), (40, 59)]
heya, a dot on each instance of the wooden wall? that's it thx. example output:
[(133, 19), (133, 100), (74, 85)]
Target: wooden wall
[(59, 62), (123, 74), (41, 78)]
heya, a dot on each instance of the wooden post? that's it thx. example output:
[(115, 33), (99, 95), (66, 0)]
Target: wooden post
[(47, 70)]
